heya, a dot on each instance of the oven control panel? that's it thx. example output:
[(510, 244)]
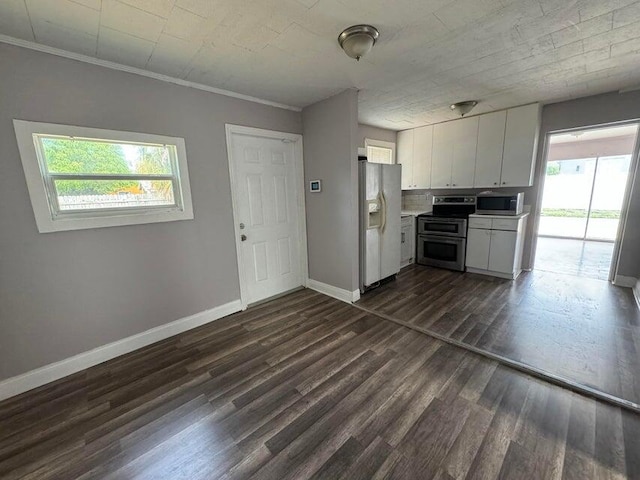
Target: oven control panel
[(454, 200)]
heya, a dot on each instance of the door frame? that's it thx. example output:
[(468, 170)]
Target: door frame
[(298, 165), (624, 212)]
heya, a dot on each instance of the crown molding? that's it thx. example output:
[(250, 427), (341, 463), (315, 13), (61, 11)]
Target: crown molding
[(138, 71)]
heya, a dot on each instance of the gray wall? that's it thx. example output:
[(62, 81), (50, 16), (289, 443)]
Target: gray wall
[(589, 111), (330, 130), (68, 292), (368, 131)]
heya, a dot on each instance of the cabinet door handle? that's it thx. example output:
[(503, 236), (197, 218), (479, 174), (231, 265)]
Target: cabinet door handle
[(453, 184), (402, 237), (504, 183), (495, 183), (447, 184)]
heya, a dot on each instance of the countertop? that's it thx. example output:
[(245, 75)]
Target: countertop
[(504, 217), (413, 213)]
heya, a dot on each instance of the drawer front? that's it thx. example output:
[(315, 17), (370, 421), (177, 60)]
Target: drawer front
[(479, 222), (407, 221), (505, 224)]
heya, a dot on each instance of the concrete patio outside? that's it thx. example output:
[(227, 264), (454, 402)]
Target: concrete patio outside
[(571, 227), (580, 258)]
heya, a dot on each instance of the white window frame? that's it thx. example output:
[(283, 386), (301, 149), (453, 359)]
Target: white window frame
[(370, 142), (49, 219)]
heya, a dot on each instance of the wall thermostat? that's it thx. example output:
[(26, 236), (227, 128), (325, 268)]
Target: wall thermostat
[(315, 186)]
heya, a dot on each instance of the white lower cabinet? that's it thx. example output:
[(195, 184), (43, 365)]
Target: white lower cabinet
[(478, 245), (503, 251), (408, 241), (495, 245)]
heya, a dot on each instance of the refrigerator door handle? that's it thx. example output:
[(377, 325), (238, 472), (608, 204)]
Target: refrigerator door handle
[(383, 209)]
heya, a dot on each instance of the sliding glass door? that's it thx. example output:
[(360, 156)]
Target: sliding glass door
[(585, 182), (567, 196), (607, 197)]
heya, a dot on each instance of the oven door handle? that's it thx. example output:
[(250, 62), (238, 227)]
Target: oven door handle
[(383, 223), (442, 239)]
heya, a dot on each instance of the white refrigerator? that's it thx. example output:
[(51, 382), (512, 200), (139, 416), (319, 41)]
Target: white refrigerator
[(380, 231)]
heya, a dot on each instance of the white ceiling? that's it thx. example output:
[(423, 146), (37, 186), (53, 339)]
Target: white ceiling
[(430, 53)]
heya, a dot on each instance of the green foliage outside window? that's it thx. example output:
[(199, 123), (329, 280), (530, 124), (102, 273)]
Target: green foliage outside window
[(553, 168), (579, 213), (86, 157)]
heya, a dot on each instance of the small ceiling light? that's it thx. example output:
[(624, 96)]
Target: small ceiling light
[(357, 40), (464, 107)]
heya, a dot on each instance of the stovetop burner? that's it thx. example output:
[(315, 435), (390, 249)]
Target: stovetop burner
[(445, 215), (453, 206)]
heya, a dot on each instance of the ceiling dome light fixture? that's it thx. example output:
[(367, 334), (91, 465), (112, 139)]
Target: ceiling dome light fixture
[(357, 40), (464, 107)]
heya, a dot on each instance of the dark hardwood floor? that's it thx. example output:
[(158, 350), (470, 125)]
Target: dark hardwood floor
[(308, 387), (585, 330)]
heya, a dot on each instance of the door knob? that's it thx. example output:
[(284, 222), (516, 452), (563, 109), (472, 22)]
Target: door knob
[(243, 237)]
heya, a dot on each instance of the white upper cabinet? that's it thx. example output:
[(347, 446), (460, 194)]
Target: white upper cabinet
[(404, 152), (422, 148), (414, 153), (486, 151), (490, 145), (442, 156), (465, 141), (454, 153), (520, 146)]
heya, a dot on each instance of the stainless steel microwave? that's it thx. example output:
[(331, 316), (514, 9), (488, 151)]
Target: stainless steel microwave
[(493, 203)]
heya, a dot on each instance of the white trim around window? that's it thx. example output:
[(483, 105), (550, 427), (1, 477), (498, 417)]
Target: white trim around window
[(51, 216), (370, 142)]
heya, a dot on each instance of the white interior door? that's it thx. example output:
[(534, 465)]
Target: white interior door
[(266, 208)]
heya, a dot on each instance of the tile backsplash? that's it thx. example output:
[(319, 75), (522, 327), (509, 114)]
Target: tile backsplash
[(417, 201)]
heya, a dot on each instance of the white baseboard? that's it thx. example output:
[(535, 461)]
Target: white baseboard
[(54, 371), (335, 292), (624, 281)]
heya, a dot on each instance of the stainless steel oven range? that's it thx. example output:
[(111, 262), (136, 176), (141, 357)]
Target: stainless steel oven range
[(442, 234)]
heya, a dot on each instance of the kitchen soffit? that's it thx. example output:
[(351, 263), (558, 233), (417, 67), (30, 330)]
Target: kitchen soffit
[(430, 53)]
